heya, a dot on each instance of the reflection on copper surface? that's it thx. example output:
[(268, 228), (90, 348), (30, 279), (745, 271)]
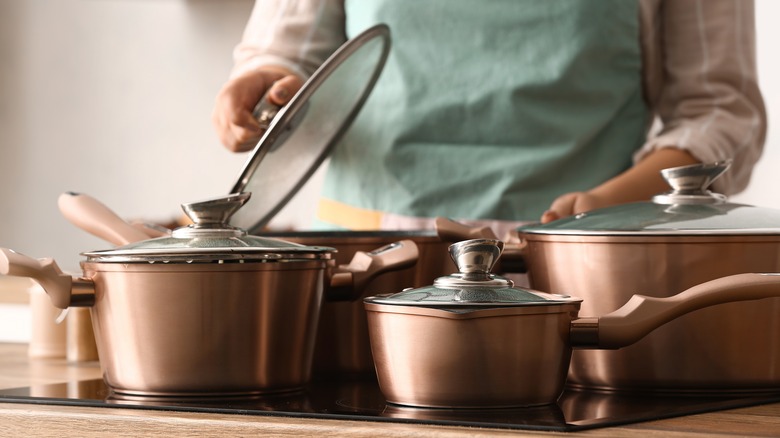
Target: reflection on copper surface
[(728, 348), (361, 399), (206, 329), (549, 415), (291, 402)]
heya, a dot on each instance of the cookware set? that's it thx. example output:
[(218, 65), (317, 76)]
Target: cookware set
[(342, 347), (224, 307)]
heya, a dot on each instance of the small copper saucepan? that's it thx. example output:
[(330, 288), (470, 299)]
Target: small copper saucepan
[(472, 340), (210, 309)]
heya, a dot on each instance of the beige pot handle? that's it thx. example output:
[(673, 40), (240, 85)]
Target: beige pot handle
[(641, 314), (92, 216), (64, 291), (349, 281), (453, 231)]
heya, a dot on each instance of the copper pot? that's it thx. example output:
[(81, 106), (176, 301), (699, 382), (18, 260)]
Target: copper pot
[(209, 310), (474, 341), (660, 248), (342, 346)]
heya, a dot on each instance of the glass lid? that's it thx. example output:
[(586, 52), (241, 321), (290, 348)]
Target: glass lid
[(688, 209), (302, 134), (473, 286), (209, 238)]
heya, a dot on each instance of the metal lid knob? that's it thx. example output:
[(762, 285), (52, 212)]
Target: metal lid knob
[(475, 259), (689, 184), (210, 217)]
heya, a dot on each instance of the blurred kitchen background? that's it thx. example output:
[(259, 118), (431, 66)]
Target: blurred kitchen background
[(113, 98)]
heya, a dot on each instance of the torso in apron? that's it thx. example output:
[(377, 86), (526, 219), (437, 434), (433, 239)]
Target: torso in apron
[(491, 109)]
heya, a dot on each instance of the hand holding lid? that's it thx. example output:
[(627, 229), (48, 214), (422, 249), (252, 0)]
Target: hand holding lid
[(301, 134)]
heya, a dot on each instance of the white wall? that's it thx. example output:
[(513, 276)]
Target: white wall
[(764, 185), (113, 98)]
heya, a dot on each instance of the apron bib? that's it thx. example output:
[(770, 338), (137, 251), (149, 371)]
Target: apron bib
[(489, 110)]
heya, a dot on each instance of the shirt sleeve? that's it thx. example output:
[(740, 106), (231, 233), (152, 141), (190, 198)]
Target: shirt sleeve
[(705, 95), (296, 34)]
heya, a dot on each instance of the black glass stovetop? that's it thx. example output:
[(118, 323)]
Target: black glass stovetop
[(360, 399)]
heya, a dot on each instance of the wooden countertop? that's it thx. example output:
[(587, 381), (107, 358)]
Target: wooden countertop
[(45, 420)]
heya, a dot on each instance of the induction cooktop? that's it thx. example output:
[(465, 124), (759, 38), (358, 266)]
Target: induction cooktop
[(360, 399)]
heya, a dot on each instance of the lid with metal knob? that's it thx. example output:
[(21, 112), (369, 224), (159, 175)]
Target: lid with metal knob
[(474, 286), (300, 135), (688, 209), (210, 239)]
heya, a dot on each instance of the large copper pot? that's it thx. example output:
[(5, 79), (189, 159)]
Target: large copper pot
[(473, 341), (660, 248), (209, 310)]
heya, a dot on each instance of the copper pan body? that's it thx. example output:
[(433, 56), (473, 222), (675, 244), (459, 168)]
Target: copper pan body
[(487, 359), (726, 349), (342, 346), (206, 329)]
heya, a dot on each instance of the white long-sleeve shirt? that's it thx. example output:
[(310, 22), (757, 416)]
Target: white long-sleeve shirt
[(699, 70)]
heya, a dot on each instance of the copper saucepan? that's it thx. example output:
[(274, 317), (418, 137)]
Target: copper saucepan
[(210, 309), (472, 340)]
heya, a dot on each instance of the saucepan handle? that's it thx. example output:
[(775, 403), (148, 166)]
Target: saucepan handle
[(64, 291), (641, 314), (349, 281), (92, 216), (449, 230)]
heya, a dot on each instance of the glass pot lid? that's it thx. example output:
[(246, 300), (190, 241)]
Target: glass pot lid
[(688, 209), (474, 285), (301, 135), (210, 238)]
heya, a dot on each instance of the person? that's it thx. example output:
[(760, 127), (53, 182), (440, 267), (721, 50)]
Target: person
[(510, 111)]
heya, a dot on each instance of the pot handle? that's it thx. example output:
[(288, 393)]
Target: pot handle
[(449, 230), (64, 291), (94, 217), (349, 281), (642, 314)]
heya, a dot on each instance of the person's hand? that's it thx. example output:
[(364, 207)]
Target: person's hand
[(237, 128), (571, 204)]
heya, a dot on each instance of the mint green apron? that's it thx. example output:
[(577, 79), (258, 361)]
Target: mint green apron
[(491, 109)]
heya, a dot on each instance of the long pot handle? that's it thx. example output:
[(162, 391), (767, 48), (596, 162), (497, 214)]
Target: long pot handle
[(64, 291), (449, 230), (94, 217), (349, 281), (642, 314)]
